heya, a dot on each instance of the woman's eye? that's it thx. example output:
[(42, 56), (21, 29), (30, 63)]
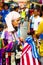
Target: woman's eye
[(17, 20)]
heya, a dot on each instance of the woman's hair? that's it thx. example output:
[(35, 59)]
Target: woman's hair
[(6, 4), (42, 7), (41, 10), (1, 25)]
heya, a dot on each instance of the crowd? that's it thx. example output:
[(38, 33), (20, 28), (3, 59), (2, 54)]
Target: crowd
[(11, 17)]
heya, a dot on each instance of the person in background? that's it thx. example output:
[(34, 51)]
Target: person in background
[(27, 13), (40, 27), (5, 11), (39, 9), (23, 15), (39, 34), (1, 15), (30, 21), (28, 4), (1, 31), (1, 28), (35, 20), (42, 13), (1, 44)]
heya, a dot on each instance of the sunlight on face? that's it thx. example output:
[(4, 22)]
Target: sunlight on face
[(16, 22), (35, 12)]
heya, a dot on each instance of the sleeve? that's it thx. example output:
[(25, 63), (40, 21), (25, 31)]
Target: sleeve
[(40, 28), (30, 18)]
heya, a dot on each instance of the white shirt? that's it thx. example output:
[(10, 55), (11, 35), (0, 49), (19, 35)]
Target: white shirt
[(26, 10), (36, 22)]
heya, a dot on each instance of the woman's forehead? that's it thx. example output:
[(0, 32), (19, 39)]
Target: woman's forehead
[(17, 19)]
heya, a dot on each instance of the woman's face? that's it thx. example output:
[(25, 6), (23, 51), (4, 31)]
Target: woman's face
[(16, 22), (6, 7), (35, 12)]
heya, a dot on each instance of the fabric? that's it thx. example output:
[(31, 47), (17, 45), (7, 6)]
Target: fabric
[(40, 28), (30, 41), (5, 13), (31, 11), (23, 14), (9, 47), (41, 36), (8, 40), (31, 17), (11, 16), (26, 10), (8, 58), (7, 35), (35, 22), (26, 58), (2, 36)]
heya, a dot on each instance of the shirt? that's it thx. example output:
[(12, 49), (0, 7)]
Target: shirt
[(23, 14), (40, 28), (31, 17), (35, 22), (5, 12)]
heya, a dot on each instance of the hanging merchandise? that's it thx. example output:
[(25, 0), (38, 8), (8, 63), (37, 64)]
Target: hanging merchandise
[(13, 58), (7, 59), (3, 59)]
